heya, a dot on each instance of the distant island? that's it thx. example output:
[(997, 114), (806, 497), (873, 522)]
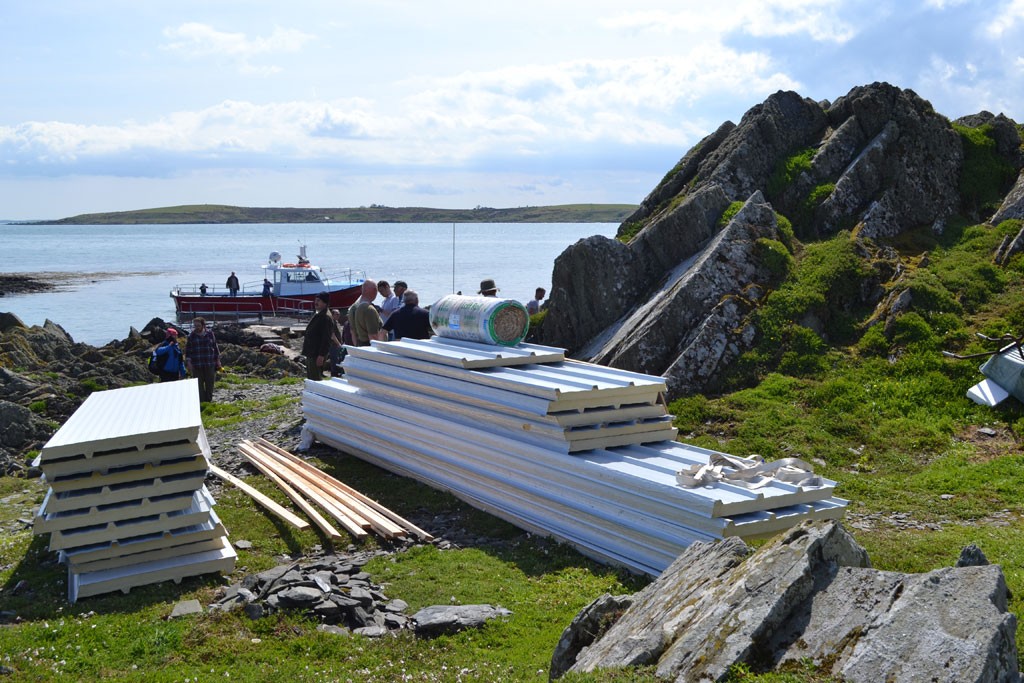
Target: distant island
[(216, 213)]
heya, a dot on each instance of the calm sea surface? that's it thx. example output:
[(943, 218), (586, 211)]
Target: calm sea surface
[(129, 269)]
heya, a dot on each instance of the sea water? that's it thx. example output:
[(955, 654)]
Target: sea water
[(123, 274)]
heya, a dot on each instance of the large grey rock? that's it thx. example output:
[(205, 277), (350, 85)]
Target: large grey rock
[(586, 627), (810, 594), (884, 162), (660, 333), (442, 619), (1013, 204)]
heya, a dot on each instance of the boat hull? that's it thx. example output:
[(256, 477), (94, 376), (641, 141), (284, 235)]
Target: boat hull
[(257, 304)]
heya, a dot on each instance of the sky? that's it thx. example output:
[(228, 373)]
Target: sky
[(113, 105)]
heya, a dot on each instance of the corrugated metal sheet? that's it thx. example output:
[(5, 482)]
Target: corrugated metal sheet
[(498, 439), (126, 504), (467, 354)]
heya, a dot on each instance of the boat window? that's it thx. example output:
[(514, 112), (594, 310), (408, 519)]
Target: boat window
[(303, 276)]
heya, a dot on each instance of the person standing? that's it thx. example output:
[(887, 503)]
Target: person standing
[(202, 358), (488, 288), (410, 320), (268, 287), (533, 308), (316, 343), (365, 319), (232, 283), (174, 362), (400, 288), (390, 303), (337, 343)]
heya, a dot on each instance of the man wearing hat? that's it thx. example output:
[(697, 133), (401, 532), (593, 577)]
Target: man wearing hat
[(488, 288), (316, 343), (174, 363)]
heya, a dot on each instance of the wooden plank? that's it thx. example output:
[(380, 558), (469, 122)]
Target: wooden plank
[(351, 491), (310, 511), (355, 524), (331, 497), (270, 505)]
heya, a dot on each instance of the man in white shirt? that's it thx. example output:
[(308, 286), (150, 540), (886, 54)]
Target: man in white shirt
[(390, 303)]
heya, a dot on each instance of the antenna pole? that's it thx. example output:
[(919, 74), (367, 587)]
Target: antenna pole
[(453, 258)]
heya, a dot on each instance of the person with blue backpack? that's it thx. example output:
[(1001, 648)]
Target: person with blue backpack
[(167, 361)]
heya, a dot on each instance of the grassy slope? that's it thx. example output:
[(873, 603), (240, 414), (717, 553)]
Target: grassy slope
[(215, 213)]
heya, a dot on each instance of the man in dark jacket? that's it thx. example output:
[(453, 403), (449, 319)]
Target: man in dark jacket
[(410, 320), (316, 344), (202, 358)]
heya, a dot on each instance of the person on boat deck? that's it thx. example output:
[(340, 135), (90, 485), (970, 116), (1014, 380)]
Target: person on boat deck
[(202, 289), (410, 320), (316, 343), (533, 308), (365, 318), (202, 358), (174, 366), (232, 283), (267, 287), (488, 288)]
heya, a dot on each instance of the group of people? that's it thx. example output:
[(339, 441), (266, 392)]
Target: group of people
[(398, 316), (200, 358)]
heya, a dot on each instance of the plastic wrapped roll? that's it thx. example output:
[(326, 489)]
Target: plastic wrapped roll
[(482, 319)]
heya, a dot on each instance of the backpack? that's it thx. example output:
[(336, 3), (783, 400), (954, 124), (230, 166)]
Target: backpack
[(156, 363)]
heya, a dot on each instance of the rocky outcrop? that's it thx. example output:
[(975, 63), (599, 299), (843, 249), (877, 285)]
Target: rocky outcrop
[(878, 161), (687, 314), (809, 595), (45, 375)]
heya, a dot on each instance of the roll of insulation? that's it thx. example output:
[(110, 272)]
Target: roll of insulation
[(482, 319)]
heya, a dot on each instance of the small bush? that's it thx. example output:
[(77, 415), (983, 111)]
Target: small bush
[(786, 234), (911, 330), (38, 407), (627, 231), (788, 170), (985, 176), (729, 213), (873, 342), (775, 256)]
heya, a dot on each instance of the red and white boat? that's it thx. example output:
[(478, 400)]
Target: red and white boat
[(292, 289)]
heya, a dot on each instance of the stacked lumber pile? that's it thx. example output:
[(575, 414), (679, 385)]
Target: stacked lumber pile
[(307, 485), (126, 504), (578, 451)]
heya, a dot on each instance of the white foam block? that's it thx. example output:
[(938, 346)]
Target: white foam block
[(987, 393)]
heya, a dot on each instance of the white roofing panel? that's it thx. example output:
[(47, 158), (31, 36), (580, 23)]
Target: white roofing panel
[(165, 411), (197, 513), (174, 568), (555, 381), (467, 354), (144, 488), (86, 460), (97, 552)]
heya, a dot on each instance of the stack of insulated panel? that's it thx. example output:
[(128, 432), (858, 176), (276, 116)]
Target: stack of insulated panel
[(578, 451), (126, 504)]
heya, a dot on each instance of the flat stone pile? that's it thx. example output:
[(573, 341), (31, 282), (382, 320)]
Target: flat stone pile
[(333, 589)]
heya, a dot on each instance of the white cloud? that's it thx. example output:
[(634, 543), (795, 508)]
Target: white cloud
[(194, 40), (1007, 20), (523, 111), (817, 19)]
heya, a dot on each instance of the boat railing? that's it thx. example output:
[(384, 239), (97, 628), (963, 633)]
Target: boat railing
[(349, 275)]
